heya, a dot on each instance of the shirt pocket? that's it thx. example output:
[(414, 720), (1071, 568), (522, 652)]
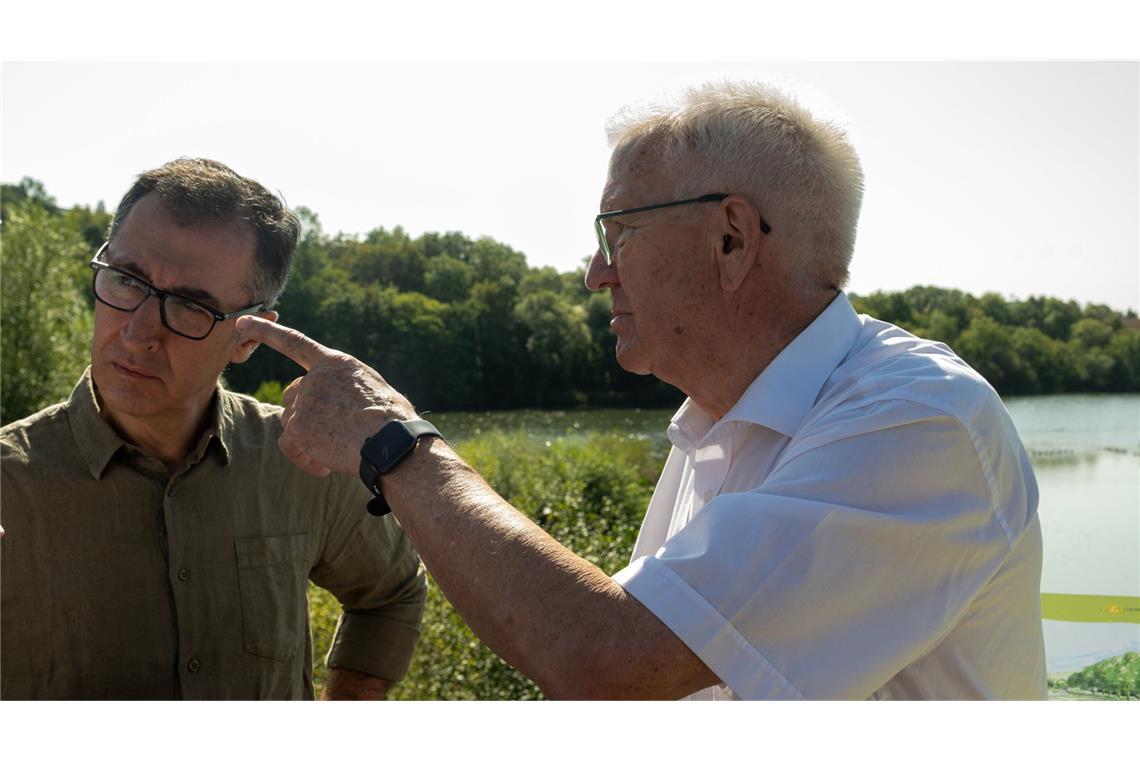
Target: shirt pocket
[(273, 577)]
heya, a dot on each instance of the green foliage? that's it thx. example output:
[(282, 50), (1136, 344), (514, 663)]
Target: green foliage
[(588, 492), (459, 323), (27, 192), (1039, 345), (1117, 676), (557, 344), (455, 323), (46, 320), (269, 392), (324, 610), (447, 279), (989, 349)]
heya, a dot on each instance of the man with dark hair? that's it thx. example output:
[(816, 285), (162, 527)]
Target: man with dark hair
[(200, 190), (157, 544)]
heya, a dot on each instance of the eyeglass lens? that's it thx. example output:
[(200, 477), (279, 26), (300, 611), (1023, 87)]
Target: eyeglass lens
[(603, 243), (126, 293)]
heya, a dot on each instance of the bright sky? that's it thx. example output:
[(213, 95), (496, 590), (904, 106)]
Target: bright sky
[(1021, 178)]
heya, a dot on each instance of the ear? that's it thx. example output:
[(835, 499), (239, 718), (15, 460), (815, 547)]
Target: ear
[(244, 349), (741, 241)]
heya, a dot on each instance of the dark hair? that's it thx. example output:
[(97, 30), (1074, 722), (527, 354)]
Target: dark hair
[(199, 191)]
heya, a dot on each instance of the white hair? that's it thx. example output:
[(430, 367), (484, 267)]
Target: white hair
[(741, 137)]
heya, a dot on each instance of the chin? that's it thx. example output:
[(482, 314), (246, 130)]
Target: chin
[(633, 360)]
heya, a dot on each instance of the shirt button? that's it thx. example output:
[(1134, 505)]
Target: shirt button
[(170, 491), (709, 494), (194, 666), (183, 574)]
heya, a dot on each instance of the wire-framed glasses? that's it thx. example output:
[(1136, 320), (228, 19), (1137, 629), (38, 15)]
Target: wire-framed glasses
[(600, 227)]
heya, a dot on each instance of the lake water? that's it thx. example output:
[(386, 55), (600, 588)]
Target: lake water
[(1086, 453), (1085, 450)]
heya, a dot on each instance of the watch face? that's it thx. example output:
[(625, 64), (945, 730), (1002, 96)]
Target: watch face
[(385, 449)]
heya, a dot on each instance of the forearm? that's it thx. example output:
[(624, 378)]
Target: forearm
[(551, 614)]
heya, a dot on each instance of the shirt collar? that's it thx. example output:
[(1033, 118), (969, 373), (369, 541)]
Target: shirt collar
[(98, 442), (221, 427), (783, 394)]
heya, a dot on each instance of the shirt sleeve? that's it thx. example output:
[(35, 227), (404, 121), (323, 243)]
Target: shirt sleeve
[(857, 555), (373, 570)]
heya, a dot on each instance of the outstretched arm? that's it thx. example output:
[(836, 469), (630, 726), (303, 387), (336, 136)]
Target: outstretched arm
[(553, 615)]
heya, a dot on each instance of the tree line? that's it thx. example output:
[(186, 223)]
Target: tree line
[(462, 323)]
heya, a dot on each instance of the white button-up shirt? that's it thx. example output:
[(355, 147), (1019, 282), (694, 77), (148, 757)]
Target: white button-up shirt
[(861, 524)]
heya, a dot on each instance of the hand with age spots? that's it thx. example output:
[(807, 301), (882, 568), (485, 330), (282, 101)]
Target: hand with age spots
[(332, 409)]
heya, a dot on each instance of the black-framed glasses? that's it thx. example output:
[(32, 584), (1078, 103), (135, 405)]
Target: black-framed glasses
[(181, 315), (600, 228)]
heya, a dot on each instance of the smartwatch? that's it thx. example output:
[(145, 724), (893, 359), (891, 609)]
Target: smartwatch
[(383, 451)]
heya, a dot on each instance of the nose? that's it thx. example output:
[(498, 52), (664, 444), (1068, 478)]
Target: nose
[(599, 274), (143, 328)]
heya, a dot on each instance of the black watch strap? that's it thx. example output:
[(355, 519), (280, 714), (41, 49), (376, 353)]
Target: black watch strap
[(382, 452)]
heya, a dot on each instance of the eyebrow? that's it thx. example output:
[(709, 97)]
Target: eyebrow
[(194, 294)]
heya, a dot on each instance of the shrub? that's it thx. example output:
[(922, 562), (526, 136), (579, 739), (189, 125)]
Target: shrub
[(46, 319), (588, 492), (1119, 676)]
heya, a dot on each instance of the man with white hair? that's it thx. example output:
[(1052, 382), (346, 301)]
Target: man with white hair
[(847, 511)]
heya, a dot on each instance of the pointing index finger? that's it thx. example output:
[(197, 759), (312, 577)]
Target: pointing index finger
[(284, 340)]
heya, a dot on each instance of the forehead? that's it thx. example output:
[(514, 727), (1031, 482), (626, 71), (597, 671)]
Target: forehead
[(212, 259), (637, 176)]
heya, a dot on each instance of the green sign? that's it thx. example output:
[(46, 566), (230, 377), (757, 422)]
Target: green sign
[(1088, 608)]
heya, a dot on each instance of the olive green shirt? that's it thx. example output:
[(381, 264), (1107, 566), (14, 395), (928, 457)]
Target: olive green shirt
[(119, 580)]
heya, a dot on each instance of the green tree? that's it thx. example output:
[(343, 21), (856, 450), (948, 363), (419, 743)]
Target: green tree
[(459, 323), (1043, 366), (546, 278), (1124, 350), (92, 224), (996, 308), (26, 191), (889, 307), (494, 261), (454, 245), (1091, 333), (1059, 317), (1095, 365), (557, 342), (942, 327), (496, 344), (390, 258), (988, 347), (448, 279), (45, 321), (312, 282)]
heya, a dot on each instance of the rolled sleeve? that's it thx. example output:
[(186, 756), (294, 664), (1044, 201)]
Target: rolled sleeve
[(855, 557), (378, 645), (373, 570)]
